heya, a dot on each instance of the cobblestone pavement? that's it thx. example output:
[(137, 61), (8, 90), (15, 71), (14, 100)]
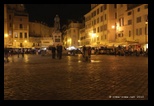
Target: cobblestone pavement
[(106, 77)]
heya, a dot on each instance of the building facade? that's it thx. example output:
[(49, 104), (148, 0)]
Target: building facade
[(5, 27), (40, 35), (98, 24), (116, 24), (105, 25), (71, 37), (20, 33), (16, 26)]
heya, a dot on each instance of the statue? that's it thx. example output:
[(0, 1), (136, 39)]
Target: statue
[(57, 22)]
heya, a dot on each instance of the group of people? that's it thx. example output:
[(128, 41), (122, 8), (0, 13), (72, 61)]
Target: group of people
[(86, 53), (9, 52), (21, 51), (57, 51), (6, 55)]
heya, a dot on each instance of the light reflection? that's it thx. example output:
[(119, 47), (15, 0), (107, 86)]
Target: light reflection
[(79, 61), (26, 58), (69, 58), (95, 61)]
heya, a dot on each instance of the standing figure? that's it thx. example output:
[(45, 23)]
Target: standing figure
[(84, 49), (89, 52), (53, 49), (18, 52), (57, 48), (86, 56), (60, 49), (22, 52)]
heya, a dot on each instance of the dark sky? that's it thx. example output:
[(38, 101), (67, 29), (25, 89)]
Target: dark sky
[(47, 12)]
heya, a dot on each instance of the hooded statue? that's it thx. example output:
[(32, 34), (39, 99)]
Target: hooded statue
[(57, 23)]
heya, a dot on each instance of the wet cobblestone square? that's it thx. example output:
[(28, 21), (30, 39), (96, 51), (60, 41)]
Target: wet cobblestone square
[(106, 77)]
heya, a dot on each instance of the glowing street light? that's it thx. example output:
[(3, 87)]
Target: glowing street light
[(146, 34), (5, 40), (6, 35), (113, 27), (69, 42), (93, 34), (15, 42)]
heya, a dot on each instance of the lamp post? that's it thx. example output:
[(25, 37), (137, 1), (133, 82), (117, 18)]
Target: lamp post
[(114, 27), (5, 40), (15, 43), (79, 42), (146, 33), (92, 34), (25, 43), (69, 42)]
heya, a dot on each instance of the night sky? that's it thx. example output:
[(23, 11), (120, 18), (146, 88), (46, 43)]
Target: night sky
[(47, 12)]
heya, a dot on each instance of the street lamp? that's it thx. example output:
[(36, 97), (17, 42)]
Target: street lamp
[(93, 35), (114, 27), (25, 43), (146, 34), (69, 41), (79, 42), (6, 35), (15, 43), (5, 40)]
